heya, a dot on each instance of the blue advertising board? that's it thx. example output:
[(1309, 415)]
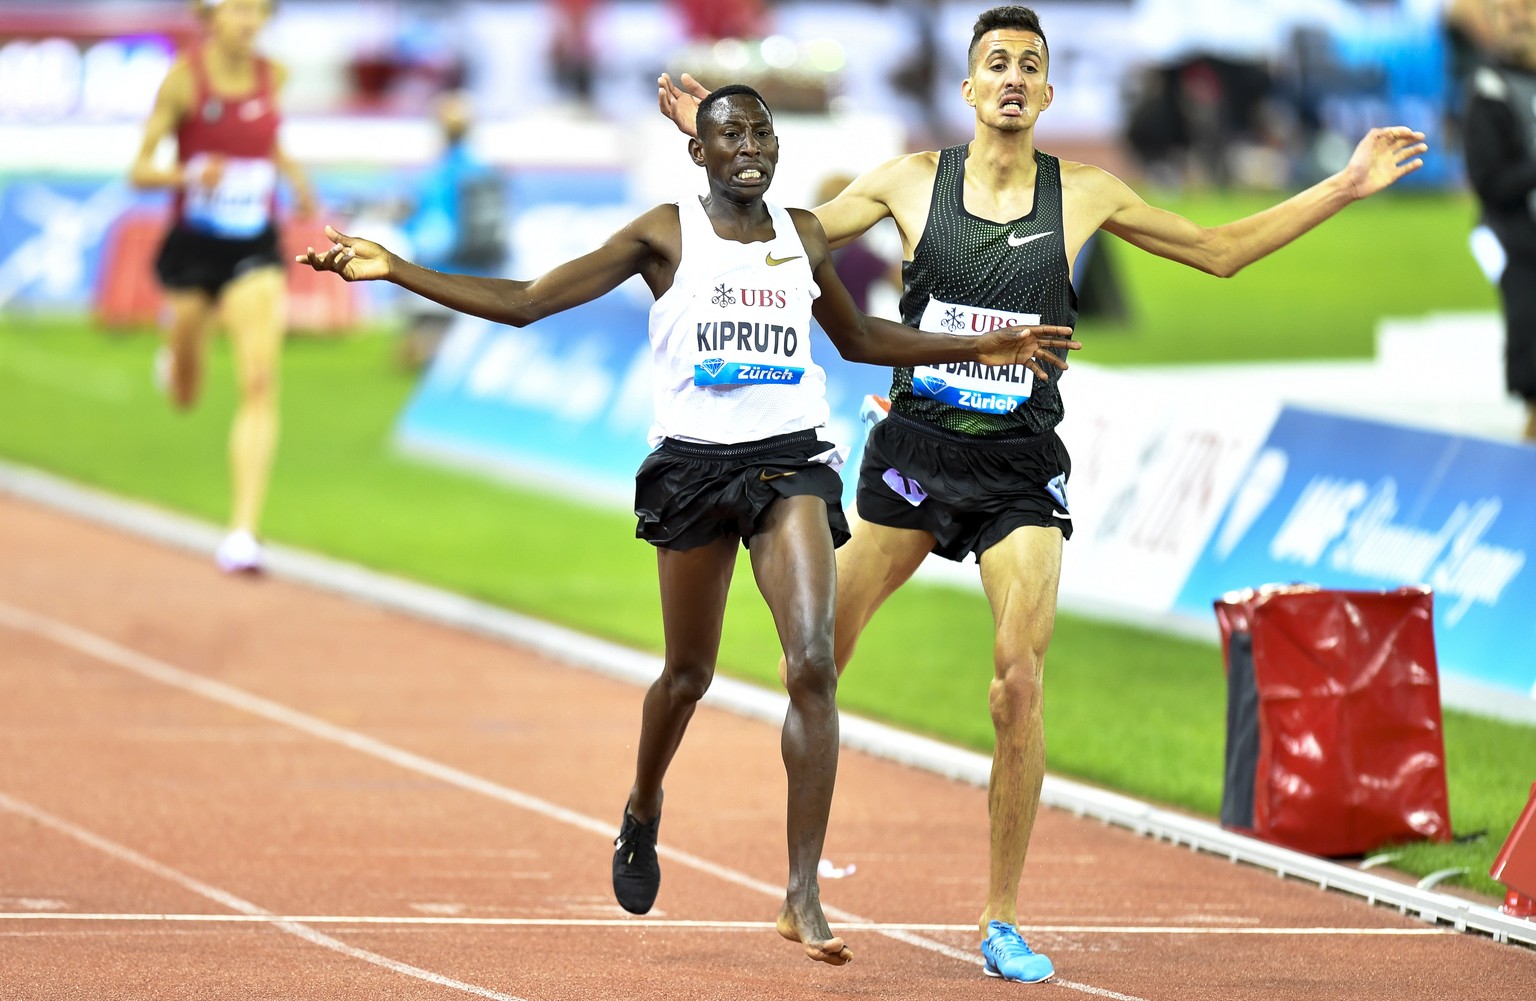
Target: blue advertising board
[(1353, 504), (51, 231)]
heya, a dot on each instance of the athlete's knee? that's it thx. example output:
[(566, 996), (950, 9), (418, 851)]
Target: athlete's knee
[(1017, 689), (686, 682), (258, 386), (811, 678)]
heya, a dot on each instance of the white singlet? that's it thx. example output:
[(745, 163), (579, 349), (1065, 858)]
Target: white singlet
[(731, 339)]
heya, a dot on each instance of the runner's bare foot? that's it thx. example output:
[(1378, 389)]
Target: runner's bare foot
[(811, 931)]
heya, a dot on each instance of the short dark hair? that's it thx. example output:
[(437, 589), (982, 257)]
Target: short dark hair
[(731, 90), (1022, 18)]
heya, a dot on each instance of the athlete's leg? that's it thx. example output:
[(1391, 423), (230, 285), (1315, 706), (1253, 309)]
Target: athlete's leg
[(871, 565), (792, 560), (254, 308), (1530, 421), (1019, 575), (190, 319), (694, 583)]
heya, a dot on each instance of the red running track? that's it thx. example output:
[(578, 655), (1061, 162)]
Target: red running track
[(232, 788)]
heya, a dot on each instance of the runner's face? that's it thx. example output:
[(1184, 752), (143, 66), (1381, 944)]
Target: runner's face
[(236, 23), (1007, 85), (739, 150)]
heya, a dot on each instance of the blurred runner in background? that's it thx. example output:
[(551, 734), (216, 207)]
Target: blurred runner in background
[(220, 260)]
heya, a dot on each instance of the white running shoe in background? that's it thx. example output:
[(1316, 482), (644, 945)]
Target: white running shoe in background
[(874, 410), (239, 553), (164, 359)]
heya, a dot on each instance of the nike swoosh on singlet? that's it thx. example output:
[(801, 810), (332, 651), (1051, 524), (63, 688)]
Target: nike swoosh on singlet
[(765, 476), (1019, 241), (774, 262)]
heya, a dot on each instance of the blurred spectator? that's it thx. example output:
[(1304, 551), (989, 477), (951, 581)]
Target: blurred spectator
[(1155, 128), (712, 20), (863, 271), (917, 76), (1500, 147), (1469, 35), (459, 222), (571, 47), (1195, 118)]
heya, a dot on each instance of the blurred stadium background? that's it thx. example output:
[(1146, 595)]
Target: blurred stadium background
[(497, 464)]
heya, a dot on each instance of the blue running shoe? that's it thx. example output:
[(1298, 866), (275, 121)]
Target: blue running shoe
[(1009, 957)]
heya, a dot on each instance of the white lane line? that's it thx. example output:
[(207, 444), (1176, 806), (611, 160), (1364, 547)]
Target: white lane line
[(108, 652), (689, 925), (1097, 992), (238, 904)]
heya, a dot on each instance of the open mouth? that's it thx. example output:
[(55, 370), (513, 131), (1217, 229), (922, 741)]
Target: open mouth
[(749, 175), (1013, 105)]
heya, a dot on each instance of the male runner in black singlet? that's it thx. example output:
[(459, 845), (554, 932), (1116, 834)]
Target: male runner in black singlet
[(971, 464)]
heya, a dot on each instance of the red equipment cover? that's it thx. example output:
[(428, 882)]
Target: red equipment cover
[(1515, 865), (1351, 754)]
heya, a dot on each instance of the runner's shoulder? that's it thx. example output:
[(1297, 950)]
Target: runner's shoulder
[(812, 236), (1086, 180), (898, 174), (178, 87)]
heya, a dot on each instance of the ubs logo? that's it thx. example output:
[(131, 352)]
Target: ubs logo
[(723, 296)]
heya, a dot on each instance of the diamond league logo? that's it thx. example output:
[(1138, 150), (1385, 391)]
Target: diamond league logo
[(932, 385), (712, 366)]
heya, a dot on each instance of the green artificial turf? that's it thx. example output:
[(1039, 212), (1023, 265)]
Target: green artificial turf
[(1139, 712)]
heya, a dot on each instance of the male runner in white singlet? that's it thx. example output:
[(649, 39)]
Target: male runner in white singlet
[(738, 404)]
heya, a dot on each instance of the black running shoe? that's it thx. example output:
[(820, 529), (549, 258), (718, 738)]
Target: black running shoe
[(636, 873)]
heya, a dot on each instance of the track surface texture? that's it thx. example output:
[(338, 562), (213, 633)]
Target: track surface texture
[(219, 787)]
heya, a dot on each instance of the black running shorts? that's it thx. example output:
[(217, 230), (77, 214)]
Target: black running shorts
[(969, 493), (689, 494), (192, 260)]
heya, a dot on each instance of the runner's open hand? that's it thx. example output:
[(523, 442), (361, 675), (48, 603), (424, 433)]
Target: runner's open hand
[(355, 259), (681, 104), (1026, 346), (1383, 156)]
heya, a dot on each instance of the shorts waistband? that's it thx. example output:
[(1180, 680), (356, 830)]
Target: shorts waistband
[(707, 450), (996, 442)]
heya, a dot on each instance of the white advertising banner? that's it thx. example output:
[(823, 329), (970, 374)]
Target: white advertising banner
[(1154, 462)]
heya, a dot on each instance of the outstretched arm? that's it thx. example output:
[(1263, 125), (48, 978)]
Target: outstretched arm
[(628, 252), (1381, 158), (870, 339)]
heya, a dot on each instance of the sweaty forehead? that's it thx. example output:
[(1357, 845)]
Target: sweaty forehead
[(738, 108), (1013, 40)]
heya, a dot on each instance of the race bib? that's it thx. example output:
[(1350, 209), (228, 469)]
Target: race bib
[(239, 204), (991, 389), (746, 337)]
